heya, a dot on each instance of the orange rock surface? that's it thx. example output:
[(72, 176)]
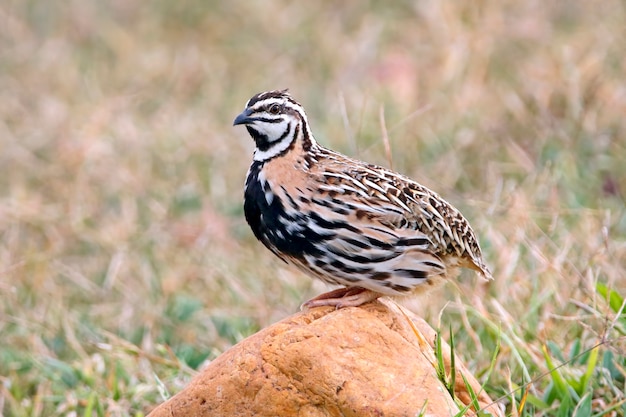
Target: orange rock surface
[(372, 360)]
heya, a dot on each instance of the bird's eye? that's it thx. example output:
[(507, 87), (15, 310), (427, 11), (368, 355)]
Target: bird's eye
[(274, 109)]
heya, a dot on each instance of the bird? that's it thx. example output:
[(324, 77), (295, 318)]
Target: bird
[(368, 229)]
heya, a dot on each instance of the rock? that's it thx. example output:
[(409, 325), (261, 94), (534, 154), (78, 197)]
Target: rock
[(357, 361)]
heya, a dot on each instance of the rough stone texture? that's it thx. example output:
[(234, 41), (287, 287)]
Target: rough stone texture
[(358, 361)]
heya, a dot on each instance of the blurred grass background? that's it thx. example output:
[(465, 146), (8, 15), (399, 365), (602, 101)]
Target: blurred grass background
[(125, 261)]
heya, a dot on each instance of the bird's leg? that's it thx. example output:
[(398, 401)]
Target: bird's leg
[(342, 297)]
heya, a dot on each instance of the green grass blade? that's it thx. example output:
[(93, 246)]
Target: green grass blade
[(583, 408), (613, 297), (91, 402), (591, 366), (452, 366), (558, 381), (441, 368)]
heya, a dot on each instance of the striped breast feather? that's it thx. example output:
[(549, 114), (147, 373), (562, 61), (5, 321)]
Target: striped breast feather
[(361, 249), (387, 260)]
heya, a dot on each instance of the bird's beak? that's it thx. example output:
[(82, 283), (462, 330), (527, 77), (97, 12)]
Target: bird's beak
[(244, 118)]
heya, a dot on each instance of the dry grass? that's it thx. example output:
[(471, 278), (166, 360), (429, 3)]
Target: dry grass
[(124, 256)]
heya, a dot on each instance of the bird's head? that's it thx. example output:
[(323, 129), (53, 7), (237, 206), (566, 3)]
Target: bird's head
[(276, 122)]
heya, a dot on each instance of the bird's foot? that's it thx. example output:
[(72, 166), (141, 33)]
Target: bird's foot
[(342, 297)]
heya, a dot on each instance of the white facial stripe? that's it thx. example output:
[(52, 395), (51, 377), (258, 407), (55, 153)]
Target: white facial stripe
[(265, 103), (274, 150), (273, 131)]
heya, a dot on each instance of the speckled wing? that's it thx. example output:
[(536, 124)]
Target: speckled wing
[(407, 231)]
